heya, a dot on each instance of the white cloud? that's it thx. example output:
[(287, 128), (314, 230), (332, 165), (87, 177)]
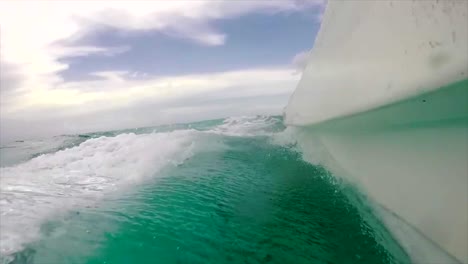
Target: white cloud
[(79, 106), (110, 76), (300, 60), (35, 35), (33, 30), (77, 51), (94, 95)]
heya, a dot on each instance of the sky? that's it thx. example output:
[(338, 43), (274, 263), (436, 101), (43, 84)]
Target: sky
[(70, 67)]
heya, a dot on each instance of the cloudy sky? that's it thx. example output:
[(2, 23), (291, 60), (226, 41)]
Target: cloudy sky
[(77, 66)]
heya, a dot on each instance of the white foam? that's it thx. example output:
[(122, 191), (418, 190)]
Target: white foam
[(247, 126), (19, 151), (34, 191)]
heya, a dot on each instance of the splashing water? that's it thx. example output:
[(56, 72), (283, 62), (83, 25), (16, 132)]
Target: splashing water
[(221, 191)]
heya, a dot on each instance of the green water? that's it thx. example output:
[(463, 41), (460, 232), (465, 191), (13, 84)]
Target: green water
[(238, 200)]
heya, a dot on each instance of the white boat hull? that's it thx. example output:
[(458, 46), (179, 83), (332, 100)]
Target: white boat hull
[(383, 102), (417, 168)]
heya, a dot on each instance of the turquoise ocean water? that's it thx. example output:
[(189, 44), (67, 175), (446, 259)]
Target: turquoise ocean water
[(232, 190)]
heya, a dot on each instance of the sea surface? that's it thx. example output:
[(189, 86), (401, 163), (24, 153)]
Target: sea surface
[(232, 190)]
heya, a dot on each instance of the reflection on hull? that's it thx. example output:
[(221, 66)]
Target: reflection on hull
[(416, 169)]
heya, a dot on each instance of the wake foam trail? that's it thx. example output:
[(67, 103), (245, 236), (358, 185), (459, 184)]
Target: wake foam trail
[(83, 169), (42, 187), (245, 126), (22, 150)]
